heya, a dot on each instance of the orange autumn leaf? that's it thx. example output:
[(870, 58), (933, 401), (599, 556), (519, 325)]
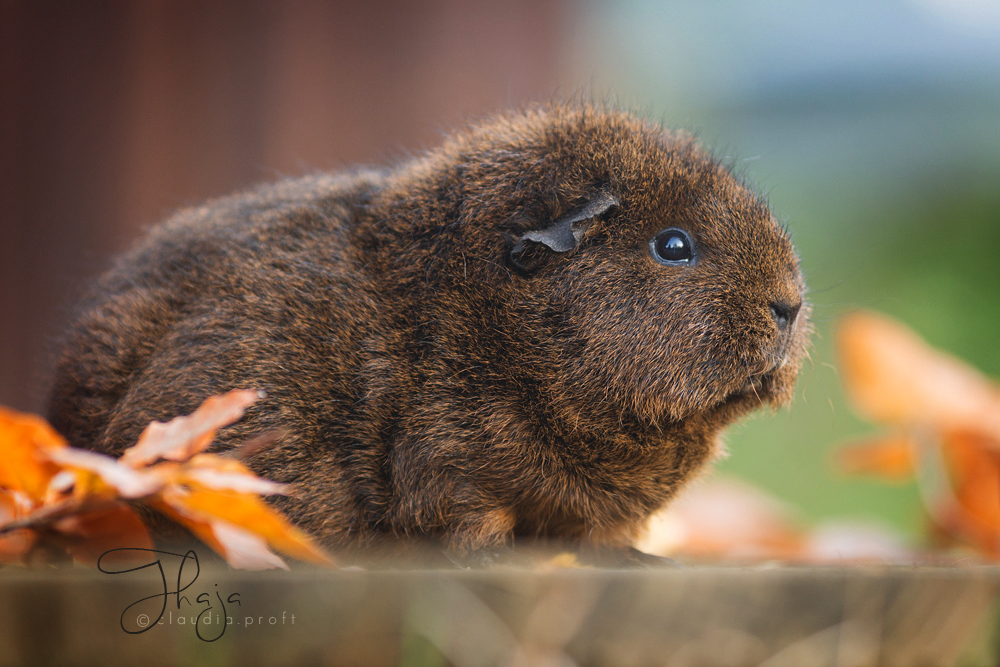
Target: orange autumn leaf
[(101, 475), (24, 441), (215, 497), (43, 502), (199, 508), (893, 376), (14, 545), (975, 470), (724, 518), (89, 535), (183, 437), (56, 497), (890, 457), (244, 549), (222, 472)]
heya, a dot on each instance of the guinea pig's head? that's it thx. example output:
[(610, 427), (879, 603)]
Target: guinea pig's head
[(631, 268)]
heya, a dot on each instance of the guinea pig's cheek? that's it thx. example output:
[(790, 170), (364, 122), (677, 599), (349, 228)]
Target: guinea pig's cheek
[(627, 362)]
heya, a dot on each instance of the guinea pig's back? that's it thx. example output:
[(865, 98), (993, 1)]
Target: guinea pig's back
[(231, 294)]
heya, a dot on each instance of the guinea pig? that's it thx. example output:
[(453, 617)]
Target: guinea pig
[(538, 329)]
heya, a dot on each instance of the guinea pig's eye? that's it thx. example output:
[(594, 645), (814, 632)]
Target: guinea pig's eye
[(672, 247)]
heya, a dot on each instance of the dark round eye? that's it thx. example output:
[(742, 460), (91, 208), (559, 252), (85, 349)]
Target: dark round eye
[(672, 247)]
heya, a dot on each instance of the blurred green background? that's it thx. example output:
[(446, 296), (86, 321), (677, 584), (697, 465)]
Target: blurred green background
[(874, 130)]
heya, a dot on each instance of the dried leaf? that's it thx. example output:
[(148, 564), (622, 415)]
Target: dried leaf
[(198, 508), (893, 376), (223, 472), (243, 549), (891, 458), (975, 471), (43, 516), (88, 535), (14, 545), (183, 437), (127, 481), (723, 518), (24, 441), (56, 500)]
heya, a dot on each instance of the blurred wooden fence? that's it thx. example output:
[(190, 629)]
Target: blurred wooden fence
[(695, 617)]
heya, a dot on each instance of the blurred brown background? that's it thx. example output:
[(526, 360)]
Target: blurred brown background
[(114, 113)]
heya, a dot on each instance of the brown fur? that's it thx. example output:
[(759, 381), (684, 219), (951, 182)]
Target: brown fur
[(429, 386)]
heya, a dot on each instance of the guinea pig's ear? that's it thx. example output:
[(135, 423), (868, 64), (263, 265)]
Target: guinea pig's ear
[(563, 234)]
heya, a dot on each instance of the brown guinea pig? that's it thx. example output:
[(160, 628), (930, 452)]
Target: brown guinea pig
[(538, 329)]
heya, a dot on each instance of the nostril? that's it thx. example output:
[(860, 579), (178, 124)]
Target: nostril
[(784, 313)]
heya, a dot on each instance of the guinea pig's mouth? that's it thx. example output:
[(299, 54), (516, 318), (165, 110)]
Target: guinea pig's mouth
[(755, 390)]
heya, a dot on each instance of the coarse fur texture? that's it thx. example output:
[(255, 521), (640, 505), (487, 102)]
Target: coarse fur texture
[(439, 372)]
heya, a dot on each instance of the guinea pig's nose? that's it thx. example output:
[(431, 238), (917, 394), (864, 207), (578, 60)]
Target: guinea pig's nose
[(784, 313)]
